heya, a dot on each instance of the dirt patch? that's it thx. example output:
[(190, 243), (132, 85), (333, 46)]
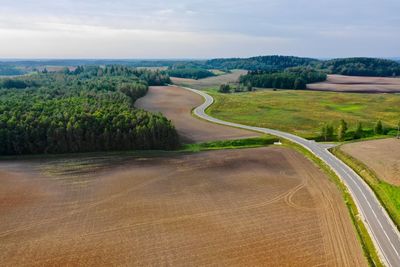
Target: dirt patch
[(249, 207), (356, 84), (381, 156), (210, 81), (176, 104)]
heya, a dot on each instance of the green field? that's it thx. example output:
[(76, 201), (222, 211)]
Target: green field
[(305, 112)]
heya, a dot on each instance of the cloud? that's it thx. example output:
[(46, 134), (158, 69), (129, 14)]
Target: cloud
[(193, 28), (84, 41)]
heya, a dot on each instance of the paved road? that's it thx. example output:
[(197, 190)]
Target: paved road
[(381, 228)]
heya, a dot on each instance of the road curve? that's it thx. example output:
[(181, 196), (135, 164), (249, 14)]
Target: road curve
[(381, 228)]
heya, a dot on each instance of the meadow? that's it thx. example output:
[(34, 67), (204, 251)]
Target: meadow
[(305, 112)]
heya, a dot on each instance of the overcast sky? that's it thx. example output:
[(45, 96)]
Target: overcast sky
[(198, 29)]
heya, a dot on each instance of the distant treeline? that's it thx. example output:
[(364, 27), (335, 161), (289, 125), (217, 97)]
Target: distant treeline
[(89, 109), (347, 66), (291, 78), (267, 63), (362, 67)]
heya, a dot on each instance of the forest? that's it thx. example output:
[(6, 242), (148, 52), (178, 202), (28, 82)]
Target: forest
[(291, 78), (88, 109), (362, 67), (270, 63)]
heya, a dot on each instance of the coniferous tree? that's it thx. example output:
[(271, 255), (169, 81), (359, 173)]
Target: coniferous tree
[(342, 130)]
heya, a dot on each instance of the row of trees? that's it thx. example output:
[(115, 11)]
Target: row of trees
[(329, 133), (81, 111), (291, 78)]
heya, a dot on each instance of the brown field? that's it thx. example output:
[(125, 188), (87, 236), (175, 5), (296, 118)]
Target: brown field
[(210, 81), (250, 207), (176, 104), (340, 83), (381, 156)]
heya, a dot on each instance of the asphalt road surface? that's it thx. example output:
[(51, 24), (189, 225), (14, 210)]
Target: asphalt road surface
[(381, 228)]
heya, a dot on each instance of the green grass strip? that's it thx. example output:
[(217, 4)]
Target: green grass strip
[(231, 144)]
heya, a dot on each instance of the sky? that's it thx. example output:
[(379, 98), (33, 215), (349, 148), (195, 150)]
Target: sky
[(198, 28)]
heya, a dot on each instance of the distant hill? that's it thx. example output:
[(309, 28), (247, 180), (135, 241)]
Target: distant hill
[(358, 66), (362, 67), (261, 63)]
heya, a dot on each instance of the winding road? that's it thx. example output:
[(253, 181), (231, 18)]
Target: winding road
[(381, 228)]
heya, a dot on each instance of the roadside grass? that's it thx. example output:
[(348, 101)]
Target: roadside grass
[(305, 112), (261, 141), (363, 236), (388, 194)]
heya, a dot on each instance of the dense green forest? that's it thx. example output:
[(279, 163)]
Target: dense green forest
[(347, 66), (291, 78), (89, 109), (270, 63), (362, 67)]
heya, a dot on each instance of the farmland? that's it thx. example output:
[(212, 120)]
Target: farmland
[(211, 81), (377, 161), (304, 112), (223, 207), (356, 84), (177, 104), (382, 156)]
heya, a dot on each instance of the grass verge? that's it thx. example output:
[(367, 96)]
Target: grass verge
[(362, 232), (231, 144), (388, 194)]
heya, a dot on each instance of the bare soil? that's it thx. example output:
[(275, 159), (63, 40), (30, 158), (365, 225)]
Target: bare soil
[(356, 84), (381, 156), (250, 207), (176, 104), (210, 81)]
